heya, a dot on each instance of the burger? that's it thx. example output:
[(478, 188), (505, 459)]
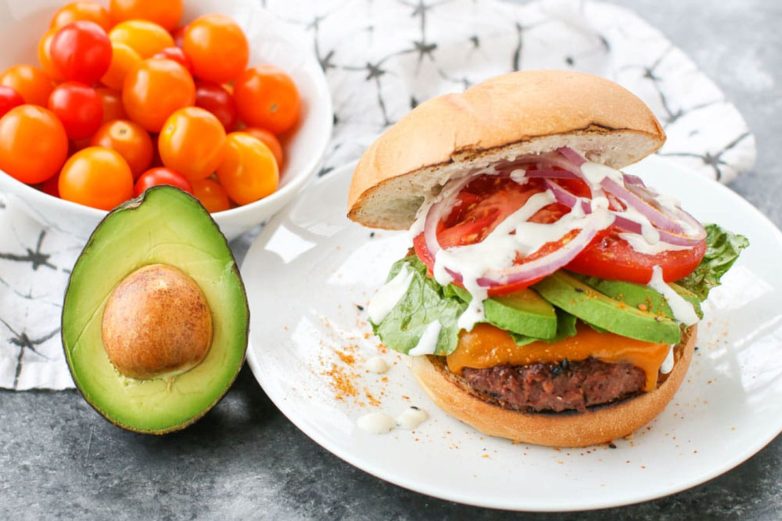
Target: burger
[(547, 297)]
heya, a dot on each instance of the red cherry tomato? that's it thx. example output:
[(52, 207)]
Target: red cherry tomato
[(161, 176), (112, 105), (9, 99), (179, 35), (78, 107), (218, 101), (176, 54), (81, 51), (51, 186)]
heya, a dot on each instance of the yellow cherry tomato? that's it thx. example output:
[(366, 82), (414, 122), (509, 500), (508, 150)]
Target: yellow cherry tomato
[(248, 171), (192, 142), (45, 54), (77, 11), (123, 60), (146, 38)]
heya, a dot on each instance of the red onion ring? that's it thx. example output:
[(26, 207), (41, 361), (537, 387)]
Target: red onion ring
[(572, 156), (567, 198), (655, 216)]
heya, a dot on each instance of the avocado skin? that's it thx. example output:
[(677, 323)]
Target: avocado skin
[(579, 299), (129, 206), (523, 312), (636, 295)]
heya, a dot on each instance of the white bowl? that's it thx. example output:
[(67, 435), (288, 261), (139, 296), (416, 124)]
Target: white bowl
[(271, 41)]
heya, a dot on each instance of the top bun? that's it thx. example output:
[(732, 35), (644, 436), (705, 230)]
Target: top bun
[(530, 112)]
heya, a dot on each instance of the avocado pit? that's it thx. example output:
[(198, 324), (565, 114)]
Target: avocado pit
[(156, 323)]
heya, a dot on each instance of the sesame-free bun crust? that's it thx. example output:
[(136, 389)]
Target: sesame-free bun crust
[(597, 425), (516, 114)]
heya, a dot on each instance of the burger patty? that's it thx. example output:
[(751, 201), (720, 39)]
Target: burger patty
[(555, 387)]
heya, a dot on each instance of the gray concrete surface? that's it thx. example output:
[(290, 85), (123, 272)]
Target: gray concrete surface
[(60, 460)]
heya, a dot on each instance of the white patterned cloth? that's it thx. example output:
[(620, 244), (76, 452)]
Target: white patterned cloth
[(383, 57)]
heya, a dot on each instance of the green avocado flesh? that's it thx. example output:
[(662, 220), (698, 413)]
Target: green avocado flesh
[(163, 226), (636, 295), (523, 312), (568, 293)]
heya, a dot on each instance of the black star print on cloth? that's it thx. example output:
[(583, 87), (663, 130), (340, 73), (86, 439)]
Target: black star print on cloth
[(381, 59)]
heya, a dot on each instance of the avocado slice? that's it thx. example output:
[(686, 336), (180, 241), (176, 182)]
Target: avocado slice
[(579, 299), (522, 312), (169, 228), (642, 297)]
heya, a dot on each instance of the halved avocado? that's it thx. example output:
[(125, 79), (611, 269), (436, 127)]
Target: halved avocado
[(168, 228)]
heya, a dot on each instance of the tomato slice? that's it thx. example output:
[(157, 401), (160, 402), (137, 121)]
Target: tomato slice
[(482, 205), (610, 257)]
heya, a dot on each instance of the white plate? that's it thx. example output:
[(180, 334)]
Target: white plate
[(311, 267)]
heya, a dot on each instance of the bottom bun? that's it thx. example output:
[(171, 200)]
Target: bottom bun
[(597, 425)]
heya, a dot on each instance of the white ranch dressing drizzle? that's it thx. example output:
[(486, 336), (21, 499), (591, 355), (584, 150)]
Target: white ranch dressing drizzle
[(639, 244), (411, 418), (667, 365), (376, 365), (376, 423), (389, 294), (427, 344), (682, 310)]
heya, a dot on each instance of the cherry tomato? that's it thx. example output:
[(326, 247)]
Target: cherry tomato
[(192, 142), (211, 194), (269, 139), (96, 177), (123, 60), (81, 52), (248, 171), (146, 38), (29, 82), (154, 90), (179, 36), (266, 97), (112, 105), (166, 13), (219, 102), (78, 107), (45, 54), (75, 11), (51, 186), (9, 99), (176, 54), (130, 140), (161, 176), (217, 47), (611, 257), (33, 144)]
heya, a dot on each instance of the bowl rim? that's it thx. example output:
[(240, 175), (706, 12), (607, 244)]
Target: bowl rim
[(281, 195)]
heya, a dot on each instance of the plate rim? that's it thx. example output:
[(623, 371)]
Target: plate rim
[(431, 489)]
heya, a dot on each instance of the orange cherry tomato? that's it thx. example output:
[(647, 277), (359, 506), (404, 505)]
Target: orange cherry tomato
[(112, 105), (45, 54), (30, 82), (217, 48), (192, 142), (96, 177), (266, 97), (146, 38), (161, 176), (211, 194), (248, 171), (166, 13), (130, 140), (33, 144), (154, 90), (123, 60), (75, 11), (270, 140)]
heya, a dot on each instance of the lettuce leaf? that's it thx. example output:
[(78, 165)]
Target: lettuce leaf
[(423, 303), (722, 250)]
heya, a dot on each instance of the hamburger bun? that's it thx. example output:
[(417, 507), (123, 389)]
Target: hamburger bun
[(597, 425), (521, 113)]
